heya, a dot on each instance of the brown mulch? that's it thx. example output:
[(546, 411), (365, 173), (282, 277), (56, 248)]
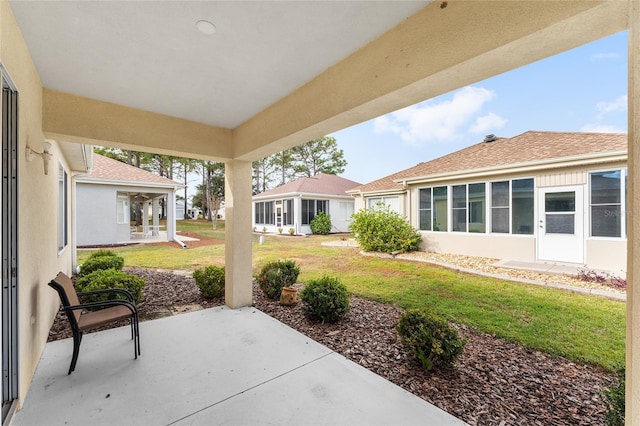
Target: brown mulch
[(494, 382)]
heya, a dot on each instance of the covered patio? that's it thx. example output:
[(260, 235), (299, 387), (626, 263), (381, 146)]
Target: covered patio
[(235, 82), (214, 366)]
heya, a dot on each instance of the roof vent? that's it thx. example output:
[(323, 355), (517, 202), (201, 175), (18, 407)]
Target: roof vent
[(490, 138)]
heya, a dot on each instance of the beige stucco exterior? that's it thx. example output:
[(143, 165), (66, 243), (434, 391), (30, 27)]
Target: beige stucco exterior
[(431, 53), (39, 259)]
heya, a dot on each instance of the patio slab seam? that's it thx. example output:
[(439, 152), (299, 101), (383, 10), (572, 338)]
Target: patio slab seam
[(256, 386)]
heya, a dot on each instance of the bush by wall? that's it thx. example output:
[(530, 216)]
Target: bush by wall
[(102, 252), (277, 274), (321, 224), (97, 262), (111, 278), (382, 230), (210, 281), (430, 338), (325, 299)]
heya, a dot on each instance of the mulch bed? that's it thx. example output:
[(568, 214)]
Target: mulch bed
[(494, 382)]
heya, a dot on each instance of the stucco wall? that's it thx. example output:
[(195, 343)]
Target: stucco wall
[(607, 254), (96, 214), (39, 260), (512, 247)]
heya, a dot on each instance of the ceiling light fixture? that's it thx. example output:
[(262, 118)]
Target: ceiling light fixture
[(206, 27)]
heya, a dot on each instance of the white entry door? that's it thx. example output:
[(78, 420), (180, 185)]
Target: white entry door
[(561, 224)]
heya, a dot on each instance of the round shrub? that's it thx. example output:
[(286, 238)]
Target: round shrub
[(277, 274), (210, 281), (321, 224), (111, 278), (325, 299), (382, 230), (430, 338), (97, 263)]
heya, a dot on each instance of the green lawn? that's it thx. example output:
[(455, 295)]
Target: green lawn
[(581, 328)]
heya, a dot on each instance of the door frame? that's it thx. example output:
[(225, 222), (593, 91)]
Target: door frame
[(579, 223), (9, 246)]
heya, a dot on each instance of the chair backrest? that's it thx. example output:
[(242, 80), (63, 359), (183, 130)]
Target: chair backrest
[(68, 296)]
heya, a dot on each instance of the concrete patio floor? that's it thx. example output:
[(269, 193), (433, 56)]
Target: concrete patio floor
[(215, 366)]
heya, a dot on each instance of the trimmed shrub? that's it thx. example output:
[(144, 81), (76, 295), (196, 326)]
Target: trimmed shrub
[(111, 278), (102, 252), (210, 281), (321, 224), (97, 263), (325, 299), (277, 274), (613, 398), (382, 230), (430, 338)]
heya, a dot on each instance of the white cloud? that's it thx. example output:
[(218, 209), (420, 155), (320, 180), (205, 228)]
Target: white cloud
[(604, 108), (604, 56), (488, 123), (601, 128), (440, 121)]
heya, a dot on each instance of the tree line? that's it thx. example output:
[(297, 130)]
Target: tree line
[(320, 155)]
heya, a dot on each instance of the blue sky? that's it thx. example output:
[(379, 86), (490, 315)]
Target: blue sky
[(582, 90)]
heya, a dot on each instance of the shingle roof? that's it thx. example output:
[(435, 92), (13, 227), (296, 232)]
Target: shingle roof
[(321, 184), (531, 146), (105, 168)]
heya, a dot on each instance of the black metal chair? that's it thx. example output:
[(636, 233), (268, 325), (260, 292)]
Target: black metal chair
[(86, 316)]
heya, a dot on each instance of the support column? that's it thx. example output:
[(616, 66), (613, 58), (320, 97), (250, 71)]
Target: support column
[(237, 253), (145, 216), (171, 215), (155, 215), (632, 385)]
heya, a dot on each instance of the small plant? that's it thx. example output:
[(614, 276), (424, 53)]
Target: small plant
[(96, 263), (613, 398), (264, 229), (275, 275), (321, 224), (292, 231), (111, 278), (603, 278), (382, 230), (430, 338), (210, 281), (325, 299), (254, 229), (280, 230)]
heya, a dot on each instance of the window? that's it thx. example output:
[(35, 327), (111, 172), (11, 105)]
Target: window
[(346, 210), (440, 212), (63, 220), (310, 208), (424, 209), (288, 212), (608, 194), (122, 209), (500, 207), (392, 202), (522, 206), (459, 208), (477, 207), (264, 213)]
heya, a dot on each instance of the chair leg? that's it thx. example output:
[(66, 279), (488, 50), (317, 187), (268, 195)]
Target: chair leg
[(77, 339)]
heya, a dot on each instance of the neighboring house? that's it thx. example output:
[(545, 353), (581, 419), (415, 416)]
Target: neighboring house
[(295, 204), (104, 199), (538, 196)]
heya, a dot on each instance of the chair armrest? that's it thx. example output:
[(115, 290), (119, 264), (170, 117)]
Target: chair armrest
[(104, 304), (123, 291)]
